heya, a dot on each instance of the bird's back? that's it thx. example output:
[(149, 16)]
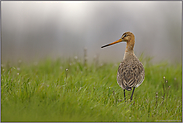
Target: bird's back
[(130, 73)]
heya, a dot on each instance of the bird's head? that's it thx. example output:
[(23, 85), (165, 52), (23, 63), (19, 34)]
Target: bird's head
[(126, 37)]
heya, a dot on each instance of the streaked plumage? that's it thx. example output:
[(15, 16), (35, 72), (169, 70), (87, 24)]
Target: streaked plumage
[(131, 71)]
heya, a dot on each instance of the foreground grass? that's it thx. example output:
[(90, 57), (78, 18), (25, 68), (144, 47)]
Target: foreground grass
[(67, 90)]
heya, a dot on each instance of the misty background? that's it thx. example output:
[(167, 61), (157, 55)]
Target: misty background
[(33, 30)]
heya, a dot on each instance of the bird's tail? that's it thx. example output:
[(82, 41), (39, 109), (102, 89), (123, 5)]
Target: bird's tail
[(128, 88)]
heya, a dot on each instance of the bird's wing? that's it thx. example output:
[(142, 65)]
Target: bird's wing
[(130, 74)]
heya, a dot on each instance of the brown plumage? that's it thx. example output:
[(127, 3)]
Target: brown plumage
[(131, 71)]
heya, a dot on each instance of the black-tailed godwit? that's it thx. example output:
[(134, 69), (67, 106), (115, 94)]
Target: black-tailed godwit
[(131, 71)]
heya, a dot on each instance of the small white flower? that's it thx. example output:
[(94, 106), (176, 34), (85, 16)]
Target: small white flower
[(76, 57)]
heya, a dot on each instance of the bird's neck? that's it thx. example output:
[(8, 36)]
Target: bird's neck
[(129, 49), (130, 45)]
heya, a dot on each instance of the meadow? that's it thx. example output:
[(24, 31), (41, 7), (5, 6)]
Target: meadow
[(74, 90)]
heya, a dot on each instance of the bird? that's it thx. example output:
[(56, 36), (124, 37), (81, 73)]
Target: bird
[(130, 74)]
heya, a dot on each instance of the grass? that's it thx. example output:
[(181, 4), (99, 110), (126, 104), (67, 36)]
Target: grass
[(69, 90)]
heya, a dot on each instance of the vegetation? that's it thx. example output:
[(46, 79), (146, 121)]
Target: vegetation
[(69, 90)]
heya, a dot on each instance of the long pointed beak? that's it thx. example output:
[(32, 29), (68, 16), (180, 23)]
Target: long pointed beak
[(120, 40)]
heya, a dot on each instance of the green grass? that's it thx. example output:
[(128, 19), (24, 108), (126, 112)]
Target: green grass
[(67, 90)]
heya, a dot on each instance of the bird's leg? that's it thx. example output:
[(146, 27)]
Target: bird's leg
[(132, 93), (124, 95)]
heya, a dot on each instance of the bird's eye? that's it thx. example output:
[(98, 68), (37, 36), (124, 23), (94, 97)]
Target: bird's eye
[(125, 35)]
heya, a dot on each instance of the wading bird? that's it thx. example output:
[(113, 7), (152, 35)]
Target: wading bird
[(131, 71)]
